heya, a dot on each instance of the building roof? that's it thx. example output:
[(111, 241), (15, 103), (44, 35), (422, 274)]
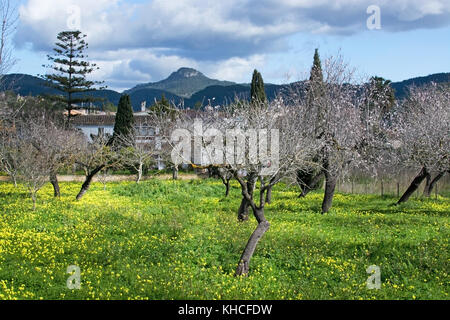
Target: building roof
[(109, 119)]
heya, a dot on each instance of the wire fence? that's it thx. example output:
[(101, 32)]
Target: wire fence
[(388, 185)]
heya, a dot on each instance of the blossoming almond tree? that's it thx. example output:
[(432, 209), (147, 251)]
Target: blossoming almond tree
[(345, 121), (423, 132), (259, 144)]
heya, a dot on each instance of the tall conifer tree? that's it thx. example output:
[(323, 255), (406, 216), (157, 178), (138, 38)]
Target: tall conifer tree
[(69, 70), (257, 92), (124, 122)]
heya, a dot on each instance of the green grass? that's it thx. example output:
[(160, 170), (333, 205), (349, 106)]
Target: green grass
[(181, 240)]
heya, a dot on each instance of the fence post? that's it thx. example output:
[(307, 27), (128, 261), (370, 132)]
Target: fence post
[(398, 189), (352, 186), (382, 188)]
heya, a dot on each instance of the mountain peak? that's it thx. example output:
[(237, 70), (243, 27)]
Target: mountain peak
[(184, 82), (185, 73)]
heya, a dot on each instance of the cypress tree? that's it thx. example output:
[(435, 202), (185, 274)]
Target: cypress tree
[(315, 92), (309, 178), (257, 92), (316, 69), (124, 122)]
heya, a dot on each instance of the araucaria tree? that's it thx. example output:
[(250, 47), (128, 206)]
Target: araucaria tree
[(69, 69)]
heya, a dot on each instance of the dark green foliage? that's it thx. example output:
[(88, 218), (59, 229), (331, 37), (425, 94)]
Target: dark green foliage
[(123, 125), (316, 69), (383, 95), (70, 70), (109, 107), (315, 92), (257, 92), (163, 108)]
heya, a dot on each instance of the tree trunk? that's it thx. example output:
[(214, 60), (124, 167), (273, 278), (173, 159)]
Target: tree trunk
[(33, 198), (269, 195), (175, 173), (263, 226), (139, 173), (227, 186), (414, 185), (55, 184), (87, 182), (427, 183), (245, 204), (430, 184), (312, 186), (330, 185), (243, 210)]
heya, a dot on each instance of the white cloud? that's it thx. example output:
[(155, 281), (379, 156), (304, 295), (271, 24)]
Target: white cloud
[(145, 41), (123, 68), (235, 69)]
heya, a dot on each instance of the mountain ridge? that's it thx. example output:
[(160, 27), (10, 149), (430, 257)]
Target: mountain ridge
[(184, 82), (221, 92)]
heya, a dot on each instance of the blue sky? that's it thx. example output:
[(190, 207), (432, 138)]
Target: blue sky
[(142, 41)]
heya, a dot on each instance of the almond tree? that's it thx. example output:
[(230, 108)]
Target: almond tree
[(9, 153), (136, 153), (259, 144), (30, 162), (95, 156), (346, 121), (423, 133), (61, 146), (164, 117), (9, 18)]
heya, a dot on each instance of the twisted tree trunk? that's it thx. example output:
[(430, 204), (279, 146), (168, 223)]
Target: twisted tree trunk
[(414, 185), (87, 182), (226, 182), (244, 262), (245, 204), (431, 183), (55, 184)]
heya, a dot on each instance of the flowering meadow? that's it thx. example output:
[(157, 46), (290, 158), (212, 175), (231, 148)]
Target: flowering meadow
[(165, 239)]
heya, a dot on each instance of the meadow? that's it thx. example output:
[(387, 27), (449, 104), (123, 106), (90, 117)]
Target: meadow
[(165, 239)]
